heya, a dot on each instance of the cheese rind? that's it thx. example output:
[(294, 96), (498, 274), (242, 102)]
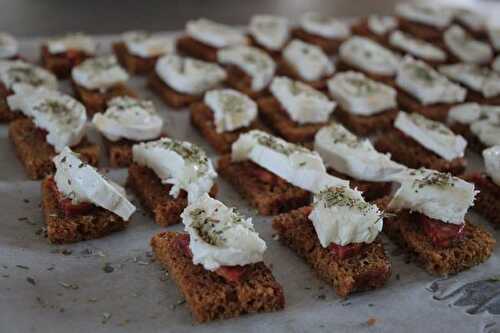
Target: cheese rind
[(99, 73), (220, 236), (309, 61), (188, 75), (62, 116), (8, 46), (480, 79), (129, 118), (214, 34), (81, 182), (466, 48), (146, 45), (357, 158), (270, 31), (71, 42), (341, 216), (180, 163), (425, 13), (416, 47), (381, 25), (325, 26), (302, 103), (360, 95), (296, 164), (492, 163), (437, 195), (253, 61), (427, 85), (232, 110), (369, 56), (433, 135), (17, 75)]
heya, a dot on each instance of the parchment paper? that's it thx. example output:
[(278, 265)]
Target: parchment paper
[(113, 285)]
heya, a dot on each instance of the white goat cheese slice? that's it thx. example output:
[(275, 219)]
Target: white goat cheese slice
[(214, 34), (99, 73), (309, 61), (221, 236), (465, 47), (325, 26), (147, 45), (272, 32)]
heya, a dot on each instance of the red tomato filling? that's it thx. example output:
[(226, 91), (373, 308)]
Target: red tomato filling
[(229, 273), (67, 206), (343, 252), (442, 234)]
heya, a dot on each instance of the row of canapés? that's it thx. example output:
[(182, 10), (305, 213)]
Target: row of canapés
[(324, 218)]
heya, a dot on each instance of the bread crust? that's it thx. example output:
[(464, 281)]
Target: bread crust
[(132, 63), (61, 64), (367, 125), (438, 112), (329, 45), (486, 202), (171, 97), (192, 48)]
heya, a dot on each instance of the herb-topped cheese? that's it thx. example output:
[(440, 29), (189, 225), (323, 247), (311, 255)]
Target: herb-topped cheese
[(470, 18), (272, 32), (81, 182), (129, 118), (431, 134), (214, 34), (425, 13), (341, 216), (475, 77), (253, 61), (360, 95), (296, 164), (232, 110), (71, 42), (368, 56), (221, 236), (381, 25), (146, 45), (346, 153), (309, 61), (492, 163), (17, 75), (465, 47), (302, 103), (416, 47), (8, 46), (180, 163), (436, 195), (99, 73), (62, 116), (324, 26), (427, 85), (483, 121), (189, 76)]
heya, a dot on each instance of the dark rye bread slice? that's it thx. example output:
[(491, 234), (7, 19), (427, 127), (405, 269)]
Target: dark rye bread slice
[(208, 295), (241, 81), (475, 248), (477, 97), (202, 118), (132, 63), (473, 142), (190, 47), (409, 152), (343, 66), (62, 229), (371, 190), (269, 198), (277, 119), (420, 31), (155, 197), (96, 101), (488, 199), (120, 152), (437, 112), (361, 28), (366, 270), (366, 125), (36, 154), (286, 69), (6, 114), (329, 45), (171, 97), (61, 64)]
